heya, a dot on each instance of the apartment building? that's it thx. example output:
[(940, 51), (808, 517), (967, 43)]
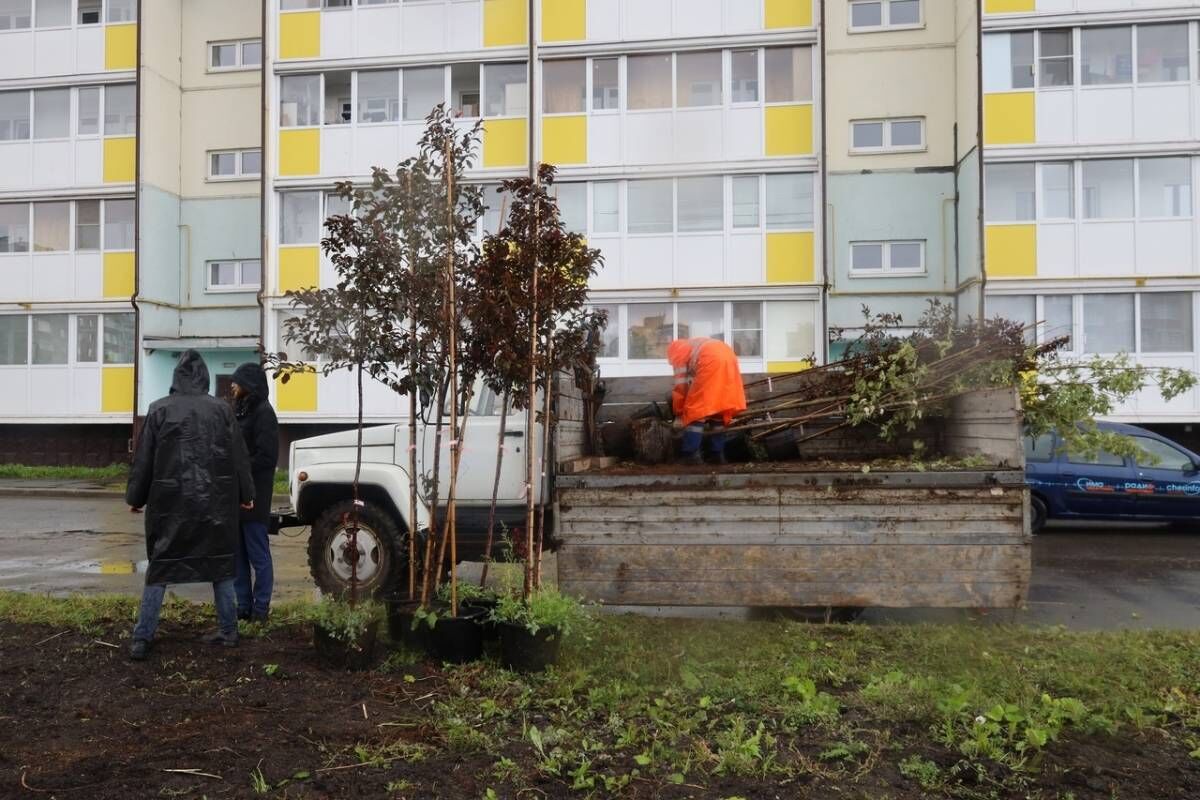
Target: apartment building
[(1091, 134)]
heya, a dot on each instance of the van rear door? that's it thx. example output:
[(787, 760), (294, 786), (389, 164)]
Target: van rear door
[(1170, 475)]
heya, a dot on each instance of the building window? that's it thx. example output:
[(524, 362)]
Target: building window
[(88, 103), (51, 113), (789, 74), (338, 108), (234, 275), (424, 88), (606, 85), (746, 202), (1056, 58), (610, 335), (379, 96), (791, 330), (606, 207), (873, 14), (16, 15), (505, 90), (1107, 55), (300, 100), (51, 227), (14, 228), (651, 329), (746, 331), (120, 110), (299, 217), (87, 338), (464, 90), (14, 340), (121, 10), (887, 135), (1058, 318), (572, 206), (701, 204), (564, 86), (234, 55), (1009, 193), (1108, 189), (887, 258), (651, 206), (1108, 323), (790, 202), (234, 164), (1018, 308), (298, 5), (87, 225), (91, 12), (745, 76), (700, 319), (118, 224), (1058, 190), (649, 79), (698, 79), (1166, 322), (1162, 53), (118, 339), (52, 14), (14, 116), (1165, 187), (50, 337)]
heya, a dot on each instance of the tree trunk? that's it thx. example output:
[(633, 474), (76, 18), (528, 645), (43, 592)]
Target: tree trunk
[(547, 428), (487, 549), (531, 408), (431, 543), (357, 503)]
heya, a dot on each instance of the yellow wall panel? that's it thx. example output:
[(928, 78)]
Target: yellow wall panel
[(789, 130), (790, 258), (1010, 251), (118, 275), (505, 142), (776, 367), (300, 35), (505, 23), (300, 152), (1009, 118), (298, 394), (787, 13), (564, 140), (564, 20), (120, 46), (116, 390), (1008, 6), (299, 268), (120, 159)]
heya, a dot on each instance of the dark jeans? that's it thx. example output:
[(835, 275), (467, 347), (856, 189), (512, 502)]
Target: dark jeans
[(254, 555), (693, 436), (152, 600)]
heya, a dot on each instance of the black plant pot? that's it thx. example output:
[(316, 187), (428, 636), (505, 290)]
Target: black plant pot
[(457, 639), (484, 609), (403, 626), (339, 654), (523, 651)]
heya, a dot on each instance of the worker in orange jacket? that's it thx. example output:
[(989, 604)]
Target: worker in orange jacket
[(708, 389)]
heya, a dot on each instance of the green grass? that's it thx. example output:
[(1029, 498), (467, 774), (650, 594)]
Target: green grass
[(281, 482), (110, 474)]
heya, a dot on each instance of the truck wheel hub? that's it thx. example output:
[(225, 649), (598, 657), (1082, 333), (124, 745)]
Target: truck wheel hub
[(340, 555)]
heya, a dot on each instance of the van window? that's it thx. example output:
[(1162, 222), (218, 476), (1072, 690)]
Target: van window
[(1168, 457), (1101, 459), (1040, 448)]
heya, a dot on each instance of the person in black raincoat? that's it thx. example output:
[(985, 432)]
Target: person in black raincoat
[(260, 429), (192, 473)]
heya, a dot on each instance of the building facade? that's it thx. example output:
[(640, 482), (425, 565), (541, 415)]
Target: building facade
[(1091, 131)]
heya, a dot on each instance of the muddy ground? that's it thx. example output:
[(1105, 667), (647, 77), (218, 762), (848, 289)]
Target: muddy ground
[(78, 720)]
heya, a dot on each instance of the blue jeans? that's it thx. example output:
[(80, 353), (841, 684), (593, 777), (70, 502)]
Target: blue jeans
[(254, 553), (152, 600), (693, 436)]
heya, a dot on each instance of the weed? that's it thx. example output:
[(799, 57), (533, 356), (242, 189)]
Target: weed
[(741, 752), (926, 773), (398, 787), (809, 705), (258, 782), (506, 770)]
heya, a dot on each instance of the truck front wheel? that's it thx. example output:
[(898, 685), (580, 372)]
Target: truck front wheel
[(381, 551)]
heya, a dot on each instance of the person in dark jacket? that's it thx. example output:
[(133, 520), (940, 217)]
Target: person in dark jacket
[(192, 473), (260, 429)]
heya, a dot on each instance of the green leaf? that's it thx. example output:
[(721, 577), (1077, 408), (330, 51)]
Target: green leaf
[(642, 759), (677, 777)]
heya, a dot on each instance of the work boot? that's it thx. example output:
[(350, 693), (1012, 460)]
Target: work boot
[(691, 459), (260, 617), (219, 638), (138, 650)]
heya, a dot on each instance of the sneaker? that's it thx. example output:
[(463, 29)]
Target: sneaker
[(139, 650), (219, 638)]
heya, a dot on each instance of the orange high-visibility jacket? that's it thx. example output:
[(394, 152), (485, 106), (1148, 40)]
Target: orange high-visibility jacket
[(708, 382)]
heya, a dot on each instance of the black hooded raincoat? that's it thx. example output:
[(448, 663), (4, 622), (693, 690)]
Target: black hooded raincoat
[(260, 429), (191, 471)]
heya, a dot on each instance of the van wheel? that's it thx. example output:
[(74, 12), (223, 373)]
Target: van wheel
[(1037, 514), (381, 553)]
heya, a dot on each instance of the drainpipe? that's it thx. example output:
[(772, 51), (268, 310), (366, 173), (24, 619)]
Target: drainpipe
[(825, 204), (264, 116), (137, 219), (533, 164), (980, 230)]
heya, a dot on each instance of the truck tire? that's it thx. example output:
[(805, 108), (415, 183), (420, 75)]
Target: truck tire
[(381, 547)]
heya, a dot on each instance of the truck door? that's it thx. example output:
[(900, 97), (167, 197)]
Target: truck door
[(1170, 475), (1097, 486)]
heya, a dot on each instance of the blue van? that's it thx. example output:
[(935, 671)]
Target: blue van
[(1110, 487)]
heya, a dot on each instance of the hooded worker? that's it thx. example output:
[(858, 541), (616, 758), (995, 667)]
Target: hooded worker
[(708, 389), (192, 473), (260, 430)]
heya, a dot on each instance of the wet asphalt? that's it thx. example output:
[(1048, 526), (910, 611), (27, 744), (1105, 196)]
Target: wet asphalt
[(1085, 578)]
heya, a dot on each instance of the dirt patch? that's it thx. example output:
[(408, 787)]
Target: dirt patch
[(78, 720)]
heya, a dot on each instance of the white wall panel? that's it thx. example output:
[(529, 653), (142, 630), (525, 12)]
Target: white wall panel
[(604, 139), (744, 264), (745, 138), (1106, 248), (337, 150), (16, 165), (1056, 250), (17, 55), (698, 17), (1056, 117), (1164, 247), (89, 276), (50, 388), (54, 52), (609, 274), (1150, 399), (378, 30), (699, 135), (337, 34), (741, 17), (1048, 6), (423, 27), (53, 277), (85, 390), (14, 400), (646, 19), (52, 164), (15, 277), (326, 274), (649, 138), (648, 261), (334, 393), (604, 20), (376, 146), (466, 26), (410, 138), (89, 162), (89, 50), (1163, 113), (700, 260), (1105, 115)]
